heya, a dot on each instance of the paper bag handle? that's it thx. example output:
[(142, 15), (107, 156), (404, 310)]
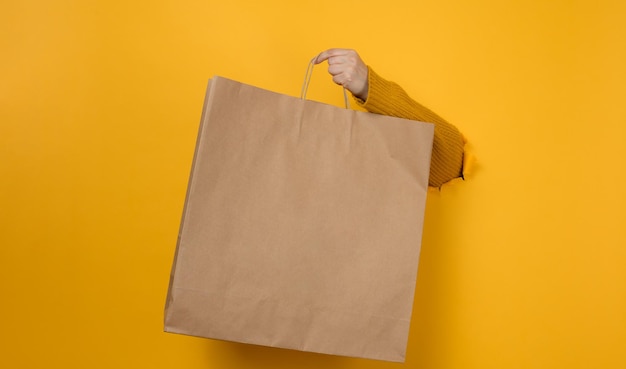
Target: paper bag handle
[(307, 80)]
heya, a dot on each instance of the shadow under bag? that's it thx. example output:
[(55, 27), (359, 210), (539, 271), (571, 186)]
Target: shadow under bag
[(302, 225)]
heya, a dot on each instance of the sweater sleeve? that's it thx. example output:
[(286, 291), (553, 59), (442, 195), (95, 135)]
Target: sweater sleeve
[(388, 98)]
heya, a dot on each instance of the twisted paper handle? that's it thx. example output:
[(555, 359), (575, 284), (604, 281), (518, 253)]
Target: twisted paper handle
[(307, 80)]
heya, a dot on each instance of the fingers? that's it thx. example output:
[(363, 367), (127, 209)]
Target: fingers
[(346, 68), (340, 61), (327, 54), (341, 79)]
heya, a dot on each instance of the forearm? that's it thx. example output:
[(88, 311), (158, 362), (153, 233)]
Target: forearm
[(388, 98)]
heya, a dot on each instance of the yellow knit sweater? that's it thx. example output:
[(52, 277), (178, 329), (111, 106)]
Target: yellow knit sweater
[(388, 98)]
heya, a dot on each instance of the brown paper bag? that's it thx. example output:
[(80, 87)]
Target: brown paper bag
[(302, 225)]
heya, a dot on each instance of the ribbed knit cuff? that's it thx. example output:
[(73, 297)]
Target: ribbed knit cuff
[(376, 89)]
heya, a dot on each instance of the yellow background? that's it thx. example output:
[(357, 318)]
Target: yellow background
[(523, 265)]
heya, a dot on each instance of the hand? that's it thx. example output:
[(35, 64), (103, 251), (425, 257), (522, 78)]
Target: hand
[(347, 69)]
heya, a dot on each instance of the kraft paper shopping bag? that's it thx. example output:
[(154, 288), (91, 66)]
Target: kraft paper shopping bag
[(302, 225)]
